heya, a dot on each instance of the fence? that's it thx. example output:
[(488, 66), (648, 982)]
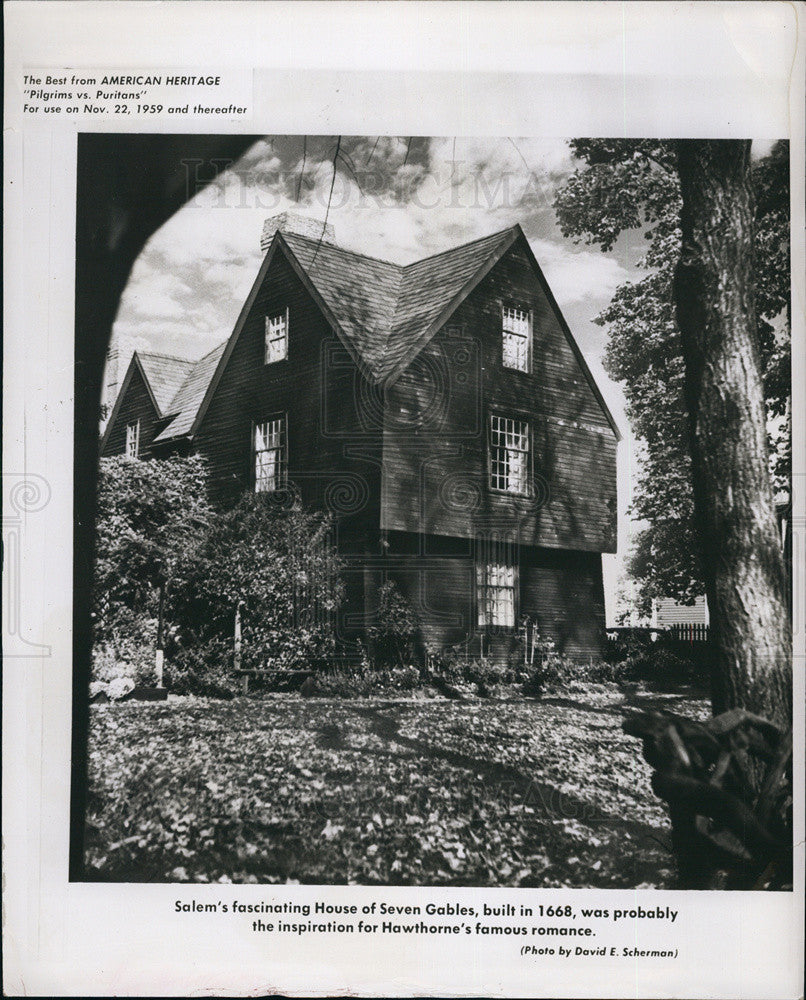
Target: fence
[(691, 634), (682, 637)]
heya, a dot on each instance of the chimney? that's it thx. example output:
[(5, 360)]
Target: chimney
[(290, 222), (111, 381)]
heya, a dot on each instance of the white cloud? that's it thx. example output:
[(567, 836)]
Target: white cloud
[(576, 276), (198, 268)]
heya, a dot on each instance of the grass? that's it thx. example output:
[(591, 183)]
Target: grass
[(376, 791)]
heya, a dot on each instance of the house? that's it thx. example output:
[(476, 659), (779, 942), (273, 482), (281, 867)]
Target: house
[(666, 612), (442, 410)]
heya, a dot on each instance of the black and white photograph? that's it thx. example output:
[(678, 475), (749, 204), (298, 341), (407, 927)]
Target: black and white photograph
[(403, 498), (433, 512)]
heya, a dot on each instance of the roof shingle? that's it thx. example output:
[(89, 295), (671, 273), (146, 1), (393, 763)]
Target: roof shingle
[(189, 395), (165, 374), (385, 312)]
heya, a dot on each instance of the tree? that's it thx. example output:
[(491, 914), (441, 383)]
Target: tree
[(628, 186), (278, 564), (151, 516), (714, 293)]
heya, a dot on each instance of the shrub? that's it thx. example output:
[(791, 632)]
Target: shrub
[(661, 665), (627, 644), (279, 564), (205, 670), (365, 680), (128, 652), (394, 630), (151, 516)]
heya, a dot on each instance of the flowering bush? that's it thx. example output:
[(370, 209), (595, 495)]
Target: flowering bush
[(128, 652)]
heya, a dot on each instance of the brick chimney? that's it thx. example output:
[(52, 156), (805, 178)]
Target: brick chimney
[(290, 222)]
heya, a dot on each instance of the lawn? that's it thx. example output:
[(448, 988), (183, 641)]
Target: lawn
[(377, 791)]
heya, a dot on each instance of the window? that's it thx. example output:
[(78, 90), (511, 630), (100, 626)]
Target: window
[(496, 584), (276, 338), (509, 454), (517, 338), (270, 455), (133, 440)]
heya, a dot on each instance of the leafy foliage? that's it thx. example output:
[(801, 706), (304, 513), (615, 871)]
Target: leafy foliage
[(156, 530), (151, 516), (128, 652), (405, 792), (279, 564), (627, 186), (364, 680), (203, 668), (394, 629)]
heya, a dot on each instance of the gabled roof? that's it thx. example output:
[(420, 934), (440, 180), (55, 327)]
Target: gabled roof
[(385, 310), (164, 374), (360, 292), (188, 398), (384, 313), (176, 387)]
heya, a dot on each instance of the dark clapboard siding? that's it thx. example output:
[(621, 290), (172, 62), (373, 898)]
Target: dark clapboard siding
[(435, 437), (135, 405), (404, 467), (319, 388), (561, 590)]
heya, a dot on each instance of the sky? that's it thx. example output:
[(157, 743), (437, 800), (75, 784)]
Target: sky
[(393, 198)]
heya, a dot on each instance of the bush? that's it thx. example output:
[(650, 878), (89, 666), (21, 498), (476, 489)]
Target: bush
[(453, 666), (627, 644), (151, 516), (659, 664), (365, 680), (394, 631), (204, 670), (279, 564), (128, 652)]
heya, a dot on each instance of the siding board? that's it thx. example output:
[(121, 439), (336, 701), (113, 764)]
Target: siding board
[(404, 466), (435, 477), (135, 405)]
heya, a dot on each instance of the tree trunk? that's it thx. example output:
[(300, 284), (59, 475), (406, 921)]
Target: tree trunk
[(733, 501)]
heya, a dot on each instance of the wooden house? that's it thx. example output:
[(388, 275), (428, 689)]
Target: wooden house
[(442, 410)]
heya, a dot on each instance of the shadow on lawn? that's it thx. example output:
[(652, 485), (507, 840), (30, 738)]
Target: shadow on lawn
[(547, 801)]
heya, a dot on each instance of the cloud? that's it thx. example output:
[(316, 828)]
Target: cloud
[(578, 275), (390, 198)]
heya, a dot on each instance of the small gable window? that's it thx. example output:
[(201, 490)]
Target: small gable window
[(496, 587), (510, 454), (276, 338), (133, 440), (517, 338), (270, 455)]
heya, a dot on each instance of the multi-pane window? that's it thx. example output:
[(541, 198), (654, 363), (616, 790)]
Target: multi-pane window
[(270, 455), (517, 338), (509, 454), (496, 586), (133, 440), (276, 337)]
